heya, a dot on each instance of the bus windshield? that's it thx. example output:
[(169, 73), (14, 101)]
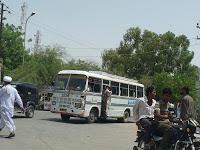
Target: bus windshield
[(70, 82)]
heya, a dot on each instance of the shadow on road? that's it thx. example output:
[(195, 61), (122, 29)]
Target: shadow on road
[(82, 121), (19, 117), (5, 137), (72, 121)]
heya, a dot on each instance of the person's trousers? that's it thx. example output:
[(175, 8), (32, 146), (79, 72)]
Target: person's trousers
[(103, 108), (167, 132), (146, 123), (7, 121)]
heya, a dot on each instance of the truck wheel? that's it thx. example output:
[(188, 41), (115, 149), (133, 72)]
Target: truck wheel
[(92, 116), (29, 112), (64, 117)]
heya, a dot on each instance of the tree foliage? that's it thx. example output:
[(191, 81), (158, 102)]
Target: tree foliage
[(162, 60), (12, 46), (41, 68), (146, 53), (176, 82), (44, 64), (81, 65)]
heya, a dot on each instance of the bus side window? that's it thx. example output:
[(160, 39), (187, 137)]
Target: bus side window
[(105, 83), (140, 92), (132, 91), (123, 89), (94, 84), (115, 88)]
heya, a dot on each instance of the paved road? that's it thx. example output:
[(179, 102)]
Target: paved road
[(46, 131)]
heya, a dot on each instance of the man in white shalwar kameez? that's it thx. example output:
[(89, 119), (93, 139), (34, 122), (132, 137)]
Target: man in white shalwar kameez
[(8, 95)]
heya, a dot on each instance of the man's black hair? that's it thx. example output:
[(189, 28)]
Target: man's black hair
[(149, 90), (167, 91), (186, 89)]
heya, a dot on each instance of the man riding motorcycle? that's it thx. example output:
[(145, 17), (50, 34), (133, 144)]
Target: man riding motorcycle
[(163, 118), (143, 112)]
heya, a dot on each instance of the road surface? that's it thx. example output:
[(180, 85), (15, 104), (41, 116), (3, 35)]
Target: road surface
[(46, 131)]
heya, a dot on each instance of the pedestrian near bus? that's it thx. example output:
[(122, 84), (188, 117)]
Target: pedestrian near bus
[(105, 102), (8, 95)]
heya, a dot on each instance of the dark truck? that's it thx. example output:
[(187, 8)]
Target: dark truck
[(29, 94)]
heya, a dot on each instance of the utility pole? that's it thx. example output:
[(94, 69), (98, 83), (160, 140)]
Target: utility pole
[(1, 47), (32, 14), (198, 27)]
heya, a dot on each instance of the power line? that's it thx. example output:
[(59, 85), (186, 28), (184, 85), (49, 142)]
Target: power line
[(53, 30), (82, 43), (49, 28)]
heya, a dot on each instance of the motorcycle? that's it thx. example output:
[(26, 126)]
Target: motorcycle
[(184, 138)]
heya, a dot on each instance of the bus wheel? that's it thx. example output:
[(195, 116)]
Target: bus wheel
[(92, 116), (124, 119), (64, 117), (29, 112)]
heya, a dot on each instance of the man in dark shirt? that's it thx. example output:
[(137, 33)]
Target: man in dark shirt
[(187, 105), (162, 115)]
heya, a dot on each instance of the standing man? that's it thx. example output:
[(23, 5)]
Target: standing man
[(187, 105), (8, 95), (105, 102)]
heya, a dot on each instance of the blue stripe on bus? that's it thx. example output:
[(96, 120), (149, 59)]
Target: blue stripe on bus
[(130, 103)]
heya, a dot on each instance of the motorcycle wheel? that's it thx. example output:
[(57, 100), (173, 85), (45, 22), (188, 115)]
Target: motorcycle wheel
[(181, 146), (141, 144)]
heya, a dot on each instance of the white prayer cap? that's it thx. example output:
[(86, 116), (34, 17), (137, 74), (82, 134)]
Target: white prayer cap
[(7, 79)]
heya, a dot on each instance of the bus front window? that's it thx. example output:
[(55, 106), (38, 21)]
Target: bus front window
[(61, 82), (71, 82), (77, 83)]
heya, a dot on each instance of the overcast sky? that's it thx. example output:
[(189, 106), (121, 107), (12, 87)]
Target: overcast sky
[(86, 27)]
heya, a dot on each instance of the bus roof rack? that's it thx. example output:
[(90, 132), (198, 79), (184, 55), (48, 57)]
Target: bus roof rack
[(113, 76)]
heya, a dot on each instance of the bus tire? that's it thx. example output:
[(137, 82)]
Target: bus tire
[(92, 116), (125, 117), (64, 117), (29, 112)]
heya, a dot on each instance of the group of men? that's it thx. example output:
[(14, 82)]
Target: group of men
[(155, 116), (8, 95)]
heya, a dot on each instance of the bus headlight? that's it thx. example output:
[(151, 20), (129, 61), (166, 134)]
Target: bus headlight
[(77, 105), (82, 101)]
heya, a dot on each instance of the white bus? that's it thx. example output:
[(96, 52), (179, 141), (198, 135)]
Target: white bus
[(79, 93)]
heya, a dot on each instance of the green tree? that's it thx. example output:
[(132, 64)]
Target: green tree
[(44, 64), (42, 67), (81, 65), (146, 53), (176, 81), (12, 45)]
